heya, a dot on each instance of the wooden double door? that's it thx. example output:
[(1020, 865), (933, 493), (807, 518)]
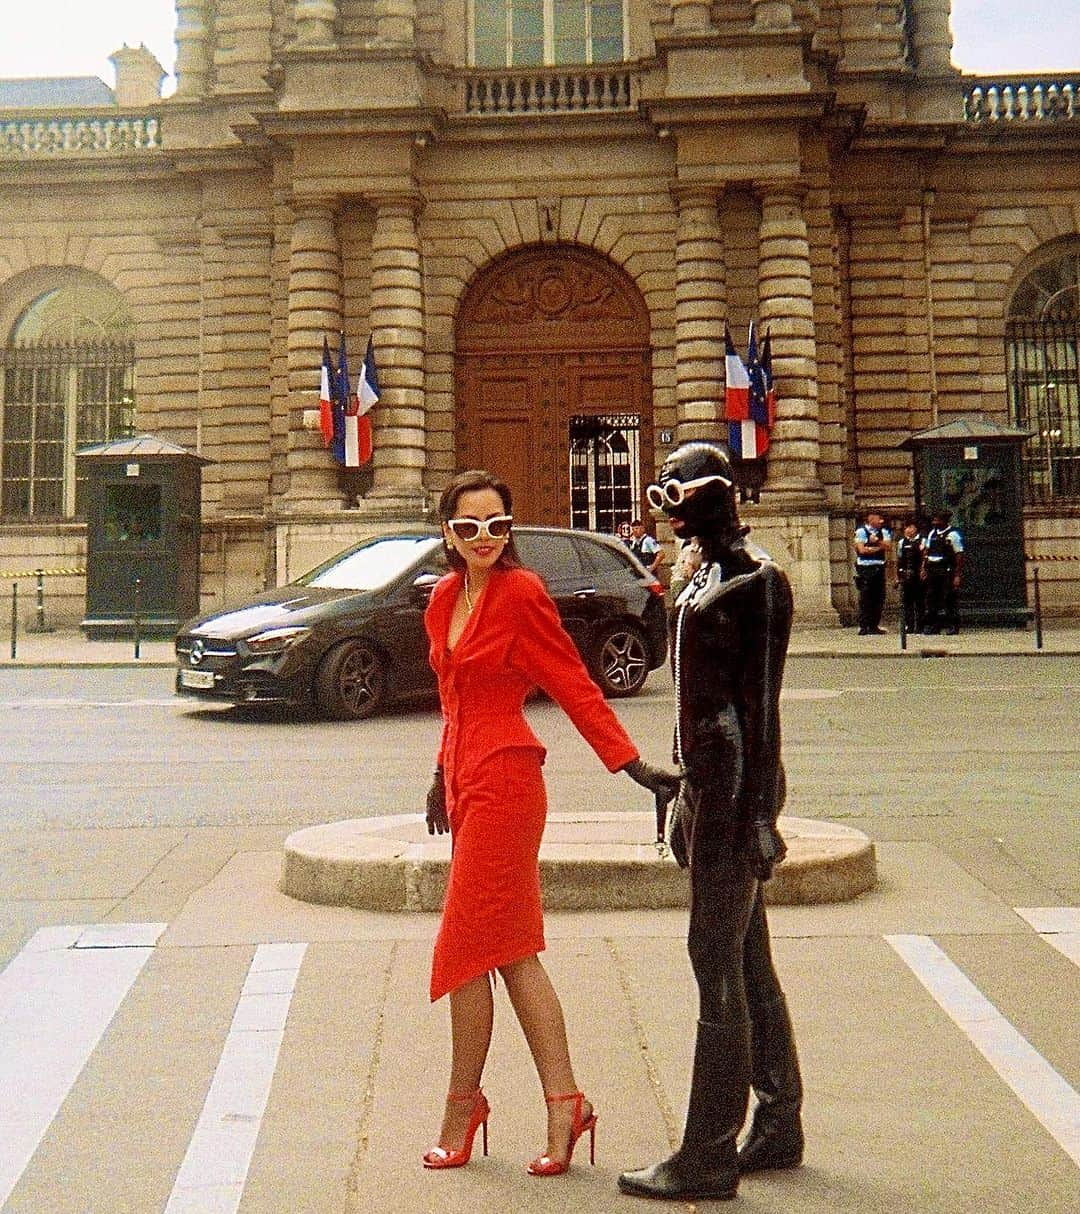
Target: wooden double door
[(553, 386), (571, 433)]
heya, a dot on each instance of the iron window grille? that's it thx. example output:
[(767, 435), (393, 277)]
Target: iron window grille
[(605, 471), (54, 398), (1044, 395)]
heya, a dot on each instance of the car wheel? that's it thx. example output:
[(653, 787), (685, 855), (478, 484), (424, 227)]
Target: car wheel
[(350, 683), (621, 660)]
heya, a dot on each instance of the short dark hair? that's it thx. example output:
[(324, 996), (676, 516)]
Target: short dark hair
[(636, 522), (468, 482)]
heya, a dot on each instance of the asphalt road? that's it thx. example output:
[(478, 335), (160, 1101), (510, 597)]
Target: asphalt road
[(941, 749)]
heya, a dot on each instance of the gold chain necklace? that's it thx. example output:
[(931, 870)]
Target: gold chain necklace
[(468, 597)]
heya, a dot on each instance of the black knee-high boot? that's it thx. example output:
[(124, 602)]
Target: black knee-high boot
[(707, 1164), (776, 1137)]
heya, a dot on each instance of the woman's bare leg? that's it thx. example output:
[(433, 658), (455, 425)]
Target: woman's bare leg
[(541, 1016), (471, 1016)]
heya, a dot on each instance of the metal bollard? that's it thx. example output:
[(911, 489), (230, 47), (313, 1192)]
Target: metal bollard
[(903, 629), (1038, 607), (138, 616), (39, 605), (14, 618)]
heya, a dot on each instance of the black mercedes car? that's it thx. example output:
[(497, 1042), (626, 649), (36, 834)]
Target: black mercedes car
[(348, 637)]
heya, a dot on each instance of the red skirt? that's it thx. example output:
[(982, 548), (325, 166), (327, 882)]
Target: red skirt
[(492, 913)]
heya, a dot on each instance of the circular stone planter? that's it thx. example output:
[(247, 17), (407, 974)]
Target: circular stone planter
[(587, 862)]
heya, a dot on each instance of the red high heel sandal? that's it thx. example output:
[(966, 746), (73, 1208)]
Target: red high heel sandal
[(544, 1165), (443, 1157)]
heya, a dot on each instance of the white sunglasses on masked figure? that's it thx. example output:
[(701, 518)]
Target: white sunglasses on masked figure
[(674, 492)]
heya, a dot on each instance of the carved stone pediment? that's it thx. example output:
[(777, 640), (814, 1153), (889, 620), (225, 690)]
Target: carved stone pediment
[(548, 293)]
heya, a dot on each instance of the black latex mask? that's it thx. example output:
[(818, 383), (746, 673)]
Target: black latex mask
[(709, 512)]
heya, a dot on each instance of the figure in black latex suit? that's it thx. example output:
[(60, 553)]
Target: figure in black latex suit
[(730, 631)]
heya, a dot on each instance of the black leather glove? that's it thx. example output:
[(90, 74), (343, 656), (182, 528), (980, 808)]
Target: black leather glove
[(764, 849), (659, 782), (437, 821)]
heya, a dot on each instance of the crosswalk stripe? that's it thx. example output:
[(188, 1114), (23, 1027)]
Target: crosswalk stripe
[(1059, 926), (1041, 1089), (215, 1167), (57, 997)]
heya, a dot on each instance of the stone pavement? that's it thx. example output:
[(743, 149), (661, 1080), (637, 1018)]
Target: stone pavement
[(69, 648), (269, 1056)]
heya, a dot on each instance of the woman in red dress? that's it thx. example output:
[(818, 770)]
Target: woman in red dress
[(495, 634)]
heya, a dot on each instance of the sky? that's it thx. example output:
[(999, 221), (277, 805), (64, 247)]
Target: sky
[(76, 37)]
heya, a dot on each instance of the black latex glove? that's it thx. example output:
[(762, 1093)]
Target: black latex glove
[(659, 782), (437, 821), (764, 849)]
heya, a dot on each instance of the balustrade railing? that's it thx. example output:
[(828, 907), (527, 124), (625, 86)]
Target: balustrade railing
[(1022, 100), (70, 135), (548, 91)]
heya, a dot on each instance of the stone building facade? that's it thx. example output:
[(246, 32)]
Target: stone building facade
[(543, 214)]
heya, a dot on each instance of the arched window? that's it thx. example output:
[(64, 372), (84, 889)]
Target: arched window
[(66, 381), (532, 33), (1042, 338)]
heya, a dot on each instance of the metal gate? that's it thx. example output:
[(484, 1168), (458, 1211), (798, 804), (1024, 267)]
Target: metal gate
[(1044, 395), (605, 470), (55, 398)]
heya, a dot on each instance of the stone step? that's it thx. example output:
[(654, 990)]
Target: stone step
[(587, 862)]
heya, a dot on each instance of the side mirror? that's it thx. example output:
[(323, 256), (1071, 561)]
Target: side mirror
[(423, 586)]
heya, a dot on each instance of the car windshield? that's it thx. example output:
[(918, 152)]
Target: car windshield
[(372, 565)]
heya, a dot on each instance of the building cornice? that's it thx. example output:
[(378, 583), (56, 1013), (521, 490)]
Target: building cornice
[(738, 107), (278, 125)]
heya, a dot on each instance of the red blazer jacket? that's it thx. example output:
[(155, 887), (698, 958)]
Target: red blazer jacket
[(512, 641)]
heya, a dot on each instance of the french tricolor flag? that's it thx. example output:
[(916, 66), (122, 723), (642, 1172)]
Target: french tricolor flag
[(358, 442), (326, 402), (747, 439), (737, 383)]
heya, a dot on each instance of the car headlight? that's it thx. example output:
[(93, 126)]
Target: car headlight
[(275, 640)]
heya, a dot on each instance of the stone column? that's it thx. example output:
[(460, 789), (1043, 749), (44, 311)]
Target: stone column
[(395, 22), (700, 307), (243, 49), (690, 16), (397, 320), (316, 22), (772, 15), (785, 296), (192, 48), (933, 38), (314, 312)]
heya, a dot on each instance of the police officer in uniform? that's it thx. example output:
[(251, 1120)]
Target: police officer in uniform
[(944, 549), (730, 630), (872, 543), (909, 576)]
